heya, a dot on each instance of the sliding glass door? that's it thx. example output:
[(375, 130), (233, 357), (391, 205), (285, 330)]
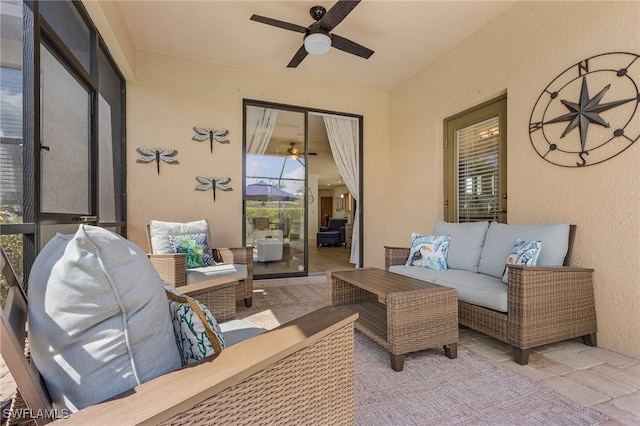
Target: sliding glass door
[(276, 193)]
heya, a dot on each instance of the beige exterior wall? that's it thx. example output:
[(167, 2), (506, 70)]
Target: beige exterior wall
[(520, 52), (171, 95)]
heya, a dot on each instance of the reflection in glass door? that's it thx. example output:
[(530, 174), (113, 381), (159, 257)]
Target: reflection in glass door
[(276, 190)]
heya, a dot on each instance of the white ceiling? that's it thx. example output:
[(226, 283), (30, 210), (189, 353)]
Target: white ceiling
[(405, 35)]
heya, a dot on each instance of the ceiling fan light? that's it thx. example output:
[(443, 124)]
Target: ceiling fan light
[(317, 43)]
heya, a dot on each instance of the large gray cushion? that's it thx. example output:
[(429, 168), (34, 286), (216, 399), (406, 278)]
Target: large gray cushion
[(501, 238), (236, 331), (466, 243), (474, 288), (160, 232), (99, 321)]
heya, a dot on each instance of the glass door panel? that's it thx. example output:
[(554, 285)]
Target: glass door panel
[(276, 191)]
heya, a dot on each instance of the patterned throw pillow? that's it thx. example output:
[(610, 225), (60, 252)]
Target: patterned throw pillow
[(429, 251), (197, 333), (196, 248), (523, 253)]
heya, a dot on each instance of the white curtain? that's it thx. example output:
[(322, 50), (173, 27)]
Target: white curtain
[(260, 124), (344, 139)]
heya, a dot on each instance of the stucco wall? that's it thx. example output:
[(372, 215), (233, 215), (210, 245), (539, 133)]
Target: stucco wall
[(520, 52), (171, 95)]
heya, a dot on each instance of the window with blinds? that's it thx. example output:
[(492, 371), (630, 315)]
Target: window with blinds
[(475, 154), (478, 148)]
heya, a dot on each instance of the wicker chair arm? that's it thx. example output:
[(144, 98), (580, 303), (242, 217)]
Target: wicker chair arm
[(237, 255), (313, 344), (542, 300), (395, 256), (171, 267)]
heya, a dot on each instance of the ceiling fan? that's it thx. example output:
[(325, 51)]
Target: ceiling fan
[(317, 36), (295, 154)]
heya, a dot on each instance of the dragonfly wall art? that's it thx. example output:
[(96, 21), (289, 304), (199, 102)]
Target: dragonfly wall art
[(221, 183), (148, 155), (203, 134)]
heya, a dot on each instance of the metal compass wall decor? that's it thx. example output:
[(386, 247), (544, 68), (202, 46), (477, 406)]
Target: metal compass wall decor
[(203, 134), (148, 155), (213, 183), (570, 127)]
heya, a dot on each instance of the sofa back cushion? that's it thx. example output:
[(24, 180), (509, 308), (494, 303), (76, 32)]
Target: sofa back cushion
[(466, 243), (160, 231), (501, 238), (99, 322)]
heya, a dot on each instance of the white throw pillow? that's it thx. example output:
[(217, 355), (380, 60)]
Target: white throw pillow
[(98, 318), (197, 332), (429, 251), (160, 231), (523, 253)]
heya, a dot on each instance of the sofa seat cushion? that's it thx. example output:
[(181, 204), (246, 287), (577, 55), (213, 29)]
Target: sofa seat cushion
[(227, 270), (501, 238), (99, 322), (236, 331), (474, 288), (466, 243)]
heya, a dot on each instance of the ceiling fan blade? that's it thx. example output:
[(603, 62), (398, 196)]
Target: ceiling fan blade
[(297, 58), (349, 46), (337, 13), (278, 23)]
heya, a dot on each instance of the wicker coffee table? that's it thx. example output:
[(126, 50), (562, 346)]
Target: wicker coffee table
[(400, 313)]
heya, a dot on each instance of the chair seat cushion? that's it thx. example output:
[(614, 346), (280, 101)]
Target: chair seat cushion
[(98, 318), (227, 270), (236, 331)]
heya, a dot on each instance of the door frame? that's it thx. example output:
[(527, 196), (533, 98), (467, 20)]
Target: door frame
[(306, 110)]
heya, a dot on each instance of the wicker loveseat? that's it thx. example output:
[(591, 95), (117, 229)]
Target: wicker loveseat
[(539, 305), (298, 373)]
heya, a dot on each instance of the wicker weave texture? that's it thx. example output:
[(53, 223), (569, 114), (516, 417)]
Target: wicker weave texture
[(311, 386), (171, 268), (549, 305), (240, 256), (407, 321), (545, 305), (220, 301)]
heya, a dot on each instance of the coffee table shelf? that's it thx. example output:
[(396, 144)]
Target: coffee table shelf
[(401, 314)]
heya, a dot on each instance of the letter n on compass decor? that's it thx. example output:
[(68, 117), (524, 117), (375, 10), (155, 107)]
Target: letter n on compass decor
[(590, 112)]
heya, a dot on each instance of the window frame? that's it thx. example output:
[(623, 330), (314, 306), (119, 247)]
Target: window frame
[(492, 108)]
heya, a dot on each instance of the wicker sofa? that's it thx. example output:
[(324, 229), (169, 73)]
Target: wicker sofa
[(298, 373), (539, 305)]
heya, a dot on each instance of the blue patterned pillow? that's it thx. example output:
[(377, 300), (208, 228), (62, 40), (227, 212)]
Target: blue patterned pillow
[(195, 246), (429, 251), (523, 253), (197, 332)]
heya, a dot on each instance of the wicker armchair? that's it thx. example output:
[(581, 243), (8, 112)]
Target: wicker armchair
[(298, 373), (172, 267), (545, 305)]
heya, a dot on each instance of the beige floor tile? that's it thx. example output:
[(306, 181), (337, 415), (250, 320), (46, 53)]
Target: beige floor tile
[(576, 391), (620, 374), (489, 352), (577, 360), (549, 366), (630, 403), (634, 369), (601, 383), (496, 344), (610, 357), (617, 416), (527, 370)]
